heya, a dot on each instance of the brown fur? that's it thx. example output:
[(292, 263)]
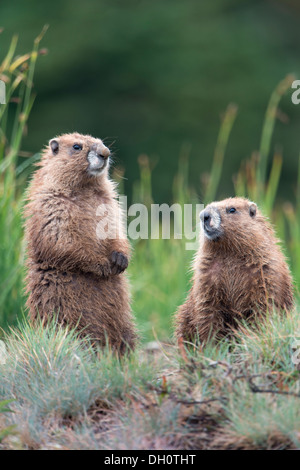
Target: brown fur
[(71, 272), (241, 274)]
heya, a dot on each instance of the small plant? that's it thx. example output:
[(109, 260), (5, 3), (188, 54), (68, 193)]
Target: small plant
[(8, 430)]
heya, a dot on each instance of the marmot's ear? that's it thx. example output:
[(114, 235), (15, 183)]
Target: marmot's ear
[(54, 145), (252, 209)]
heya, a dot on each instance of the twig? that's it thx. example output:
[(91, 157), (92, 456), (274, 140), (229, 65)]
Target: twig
[(255, 389), (198, 402)]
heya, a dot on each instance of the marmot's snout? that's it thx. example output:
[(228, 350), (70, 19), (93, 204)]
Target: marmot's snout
[(98, 158), (211, 222)]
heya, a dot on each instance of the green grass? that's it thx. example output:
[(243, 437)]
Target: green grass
[(17, 73), (50, 373), (5, 430), (159, 278), (56, 373), (239, 394)]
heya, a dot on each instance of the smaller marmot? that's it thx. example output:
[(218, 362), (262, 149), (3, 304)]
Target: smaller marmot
[(239, 272), (77, 247)]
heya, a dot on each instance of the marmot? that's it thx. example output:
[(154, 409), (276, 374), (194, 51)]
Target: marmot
[(239, 272), (74, 272)]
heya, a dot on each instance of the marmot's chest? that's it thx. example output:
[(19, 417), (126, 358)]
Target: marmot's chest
[(88, 213), (92, 209), (232, 281)]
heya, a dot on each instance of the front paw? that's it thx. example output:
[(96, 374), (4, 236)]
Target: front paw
[(119, 262), (104, 269)]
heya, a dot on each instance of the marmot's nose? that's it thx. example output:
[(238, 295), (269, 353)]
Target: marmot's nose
[(101, 151), (104, 153), (205, 216)]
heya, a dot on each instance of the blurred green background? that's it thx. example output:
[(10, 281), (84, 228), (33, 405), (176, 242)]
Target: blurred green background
[(154, 76)]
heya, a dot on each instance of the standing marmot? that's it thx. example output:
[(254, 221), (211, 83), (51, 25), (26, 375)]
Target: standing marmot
[(73, 270), (239, 272)]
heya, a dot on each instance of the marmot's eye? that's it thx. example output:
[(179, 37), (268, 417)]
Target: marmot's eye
[(231, 210), (77, 147)]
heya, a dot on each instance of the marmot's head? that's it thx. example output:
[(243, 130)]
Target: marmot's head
[(75, 158), (236, 222)]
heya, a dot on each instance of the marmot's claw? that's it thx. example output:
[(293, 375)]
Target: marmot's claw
[(119, 262), (105, 270)]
